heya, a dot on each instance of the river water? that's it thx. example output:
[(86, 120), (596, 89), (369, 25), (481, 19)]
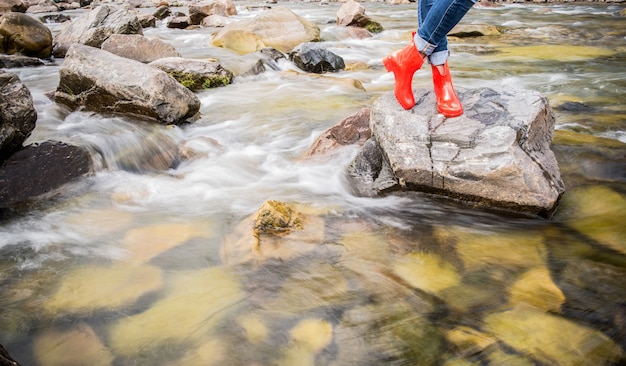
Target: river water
[(127, 267)]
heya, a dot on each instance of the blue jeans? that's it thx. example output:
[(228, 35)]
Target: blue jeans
[(436, 18)]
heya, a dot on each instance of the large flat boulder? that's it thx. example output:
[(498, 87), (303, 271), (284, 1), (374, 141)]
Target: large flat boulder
[(497, 154), (100, 81)]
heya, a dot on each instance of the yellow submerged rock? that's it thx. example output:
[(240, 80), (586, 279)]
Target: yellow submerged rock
[(195, 303), (306, 290), (77, 346), (468, 341), (427, 272), (597, 212), (536, 288), (212, 352), (255, 328), (550, 52), (91, 288), (308, 337), (551, 339), (510, 249), (145, 243)]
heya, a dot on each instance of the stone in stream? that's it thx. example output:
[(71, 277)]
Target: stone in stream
[(40, 169), (13, 5), (102, 82), (496, 155), (199, 11), (279, 28), (277, 230), (93, 28), (195, 74), (311, 57), (139, 48), (352, 14), (23, 34), (17, 114)]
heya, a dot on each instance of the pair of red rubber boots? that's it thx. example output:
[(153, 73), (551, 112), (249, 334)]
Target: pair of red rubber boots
[(404, 63)]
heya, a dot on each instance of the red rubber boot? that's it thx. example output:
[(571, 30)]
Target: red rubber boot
[(404, 63), (448, 102)]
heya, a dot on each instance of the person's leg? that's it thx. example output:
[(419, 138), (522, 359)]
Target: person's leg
[(439, 17), (436, 21), (404, 63), (434, 25)]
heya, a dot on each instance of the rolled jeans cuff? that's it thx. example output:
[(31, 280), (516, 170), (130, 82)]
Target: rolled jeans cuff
[(423, 46), (439, 57)]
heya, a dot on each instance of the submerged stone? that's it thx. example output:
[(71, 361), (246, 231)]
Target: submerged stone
[(497, 154), (278, 230), (427, 272), (513, 249), (536, 288), (468, 341), (91, 288), (308, 337), (145, 243), (255, 329), (195, 303), (560, 53), (386, 333), (597, 212), (79, 345), (551, 339)]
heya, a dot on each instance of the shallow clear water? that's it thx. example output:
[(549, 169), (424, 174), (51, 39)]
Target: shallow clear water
[(128, 264)]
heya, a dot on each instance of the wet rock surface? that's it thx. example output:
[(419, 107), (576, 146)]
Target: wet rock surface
[(139, 48), (93, 28), (23, 34), (103, 82), (17, 114), (279, 28), (497, 154), (38, 169)]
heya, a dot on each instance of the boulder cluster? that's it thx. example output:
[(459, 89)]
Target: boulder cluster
[(108, 66)]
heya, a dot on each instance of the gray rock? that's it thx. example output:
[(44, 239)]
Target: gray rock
[(179, 22), (496, 155), (12, 5), (352, 13), (39, 169), (43, 7), (195, 74), (17, 114), (203, 9), (23, 34), (13, 61), (138, 47), (93, 28), (311, 57), (103, 82)]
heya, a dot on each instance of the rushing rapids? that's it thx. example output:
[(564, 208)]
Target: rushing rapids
[(131, 265)]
